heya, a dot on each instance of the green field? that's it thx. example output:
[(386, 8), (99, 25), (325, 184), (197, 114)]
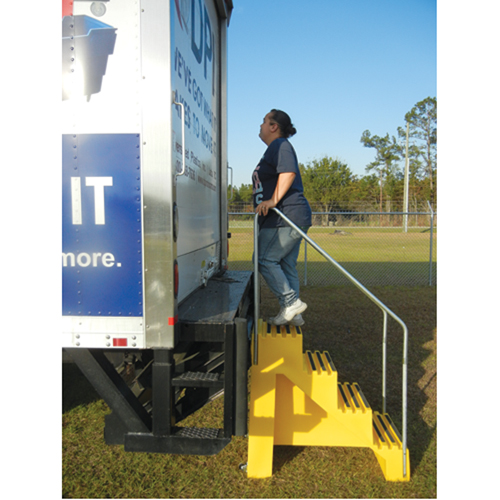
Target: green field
[(340, 320), (374, 256)]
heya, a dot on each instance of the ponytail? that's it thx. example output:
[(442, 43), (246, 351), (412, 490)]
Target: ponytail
[(284, 123)]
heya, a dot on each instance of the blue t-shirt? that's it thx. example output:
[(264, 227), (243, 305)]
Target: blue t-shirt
[(280, 157)]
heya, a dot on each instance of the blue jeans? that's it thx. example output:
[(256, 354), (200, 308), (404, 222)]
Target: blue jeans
[(278, 252)]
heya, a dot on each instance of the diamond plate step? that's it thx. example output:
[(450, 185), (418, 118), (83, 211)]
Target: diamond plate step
[(198, 379), (199, 433), (183, 441)]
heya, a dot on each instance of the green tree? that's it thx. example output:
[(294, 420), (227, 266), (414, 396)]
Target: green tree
[(246, 193), (366, 189), (388, 153), (422, 120), (241, 195), (327, 182)]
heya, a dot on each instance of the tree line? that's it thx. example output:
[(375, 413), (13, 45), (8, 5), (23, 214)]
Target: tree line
[(330, 185)]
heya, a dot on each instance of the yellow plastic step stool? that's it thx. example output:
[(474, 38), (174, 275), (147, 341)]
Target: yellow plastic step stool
[(296, 399)]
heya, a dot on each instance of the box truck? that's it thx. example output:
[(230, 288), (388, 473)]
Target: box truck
[(150, 313)]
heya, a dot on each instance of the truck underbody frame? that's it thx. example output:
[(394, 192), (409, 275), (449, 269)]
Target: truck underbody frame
[(158, 388)]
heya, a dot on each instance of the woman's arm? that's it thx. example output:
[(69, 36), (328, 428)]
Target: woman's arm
[(285, 180)]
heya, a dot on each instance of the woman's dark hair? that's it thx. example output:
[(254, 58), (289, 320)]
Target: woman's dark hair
[(284, 123)]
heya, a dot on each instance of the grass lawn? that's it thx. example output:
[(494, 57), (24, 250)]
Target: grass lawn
[(374, 256), (356, 245), (340, 320)]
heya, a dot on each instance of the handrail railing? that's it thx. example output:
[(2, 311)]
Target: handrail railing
[(386, 311)]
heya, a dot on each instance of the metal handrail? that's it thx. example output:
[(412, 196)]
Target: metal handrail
[(370, 213), (183, 138), (386, 311)]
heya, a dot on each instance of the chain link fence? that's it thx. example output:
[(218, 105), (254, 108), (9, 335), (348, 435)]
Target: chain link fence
[(377, 248)]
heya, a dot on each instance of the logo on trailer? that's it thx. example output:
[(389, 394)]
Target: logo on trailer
[(102, 225)]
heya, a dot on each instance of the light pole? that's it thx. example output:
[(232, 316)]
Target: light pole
[(406, 186)]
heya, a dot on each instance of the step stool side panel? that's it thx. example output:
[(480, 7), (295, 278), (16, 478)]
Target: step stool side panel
[(391, 463), (261, 424)]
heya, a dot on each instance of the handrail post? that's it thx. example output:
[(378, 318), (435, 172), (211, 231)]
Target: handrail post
[(384, 364), (256, 291), (405, 395), (305, 263)]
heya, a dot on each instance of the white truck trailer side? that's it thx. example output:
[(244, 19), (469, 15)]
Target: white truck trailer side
[(145, 217)]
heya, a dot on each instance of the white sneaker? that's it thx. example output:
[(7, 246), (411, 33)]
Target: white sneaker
[(296, 321), (286, 314), (271, 320)]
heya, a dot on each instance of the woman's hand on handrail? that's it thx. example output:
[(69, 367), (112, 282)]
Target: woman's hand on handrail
[(285, 180), (264, 207)]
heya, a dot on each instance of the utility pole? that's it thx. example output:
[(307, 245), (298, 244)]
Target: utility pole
[(407, 182)]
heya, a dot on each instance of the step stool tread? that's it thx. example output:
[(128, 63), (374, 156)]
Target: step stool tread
[(311, 360), (393, 427), (361, 395), (353, 397), (330, 361), (344, 397), (320, 361), (386, 431)]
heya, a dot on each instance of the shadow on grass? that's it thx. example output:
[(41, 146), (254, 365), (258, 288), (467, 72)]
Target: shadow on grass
[(76, 389), (283, 454)]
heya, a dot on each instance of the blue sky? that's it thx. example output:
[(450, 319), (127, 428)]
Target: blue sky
[(337, 67)]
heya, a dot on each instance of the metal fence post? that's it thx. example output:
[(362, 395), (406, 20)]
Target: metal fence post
[(432, 239)]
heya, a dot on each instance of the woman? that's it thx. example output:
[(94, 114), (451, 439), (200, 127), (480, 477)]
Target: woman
[(277, 183)]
